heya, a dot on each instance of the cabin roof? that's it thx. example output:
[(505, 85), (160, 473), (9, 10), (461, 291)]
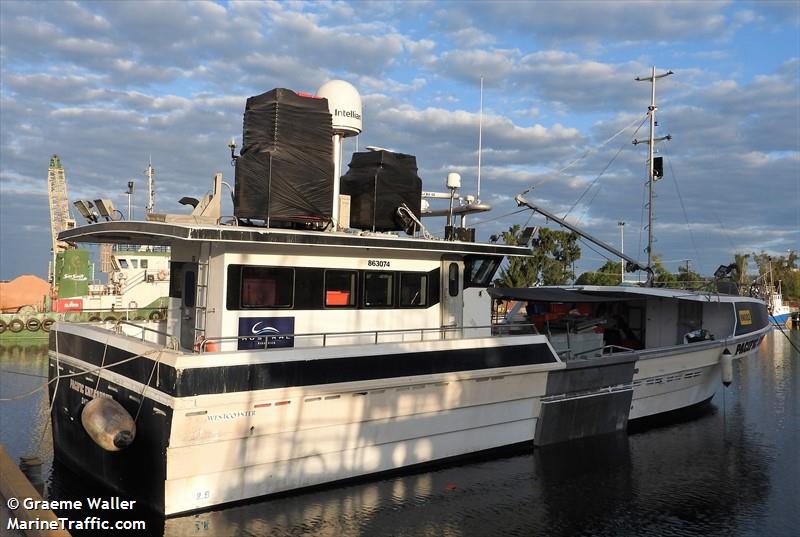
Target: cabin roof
[(616, 293), (162, 233), (556, 294)]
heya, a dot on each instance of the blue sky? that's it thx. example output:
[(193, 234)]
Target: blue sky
[(105, 85)]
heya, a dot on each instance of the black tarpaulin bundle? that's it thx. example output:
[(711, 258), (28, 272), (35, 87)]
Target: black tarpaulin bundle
[(378, 182), (285, 171)]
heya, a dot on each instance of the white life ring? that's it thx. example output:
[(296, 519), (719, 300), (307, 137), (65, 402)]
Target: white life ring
[(162, 274)]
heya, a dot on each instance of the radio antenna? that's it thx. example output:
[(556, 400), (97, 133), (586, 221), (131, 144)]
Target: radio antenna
[(480, 140)]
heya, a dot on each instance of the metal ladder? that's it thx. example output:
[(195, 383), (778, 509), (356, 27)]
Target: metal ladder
[(201, 303)]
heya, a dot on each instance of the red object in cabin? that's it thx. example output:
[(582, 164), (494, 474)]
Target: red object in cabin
[(337, 298)]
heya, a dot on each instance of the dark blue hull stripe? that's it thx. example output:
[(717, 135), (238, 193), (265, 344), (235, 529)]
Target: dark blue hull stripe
[(263, 376)]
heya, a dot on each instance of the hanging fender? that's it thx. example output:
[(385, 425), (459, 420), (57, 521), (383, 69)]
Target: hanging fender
[(108, 424), (726, 366)]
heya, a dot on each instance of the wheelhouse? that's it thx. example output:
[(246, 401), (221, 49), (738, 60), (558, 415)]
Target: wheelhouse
[(235, 288)]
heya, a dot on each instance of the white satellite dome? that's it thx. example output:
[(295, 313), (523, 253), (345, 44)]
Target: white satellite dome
[(344, 103)]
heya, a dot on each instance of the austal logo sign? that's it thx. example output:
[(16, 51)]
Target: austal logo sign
[(347, 113)]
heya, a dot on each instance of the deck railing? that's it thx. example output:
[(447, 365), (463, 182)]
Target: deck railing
[(170, 340), (362, 337)]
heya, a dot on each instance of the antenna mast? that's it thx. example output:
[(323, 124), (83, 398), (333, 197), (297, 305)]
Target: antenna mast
[(480, 140), (654, 172), (149, 172)]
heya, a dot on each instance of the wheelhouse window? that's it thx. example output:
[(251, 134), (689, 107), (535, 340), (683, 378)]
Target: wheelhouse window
[(340, 288), (413, 289), (378, 288), (254, 287), (135, 263), (478, 271), (143, 263), (123, 263)]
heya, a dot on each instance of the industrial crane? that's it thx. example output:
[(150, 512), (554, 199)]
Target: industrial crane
[(60, 218)]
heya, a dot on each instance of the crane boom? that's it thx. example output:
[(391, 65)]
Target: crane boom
[(60, 218)]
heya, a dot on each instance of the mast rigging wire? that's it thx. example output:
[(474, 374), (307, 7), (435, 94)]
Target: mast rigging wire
[(603, 170), (683, 208), (723, 229), (601, 254), (586, 153), (481, 222)]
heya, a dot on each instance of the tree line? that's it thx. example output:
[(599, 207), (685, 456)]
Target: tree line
[(554, 254)]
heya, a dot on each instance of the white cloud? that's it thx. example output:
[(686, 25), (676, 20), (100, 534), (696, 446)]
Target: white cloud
[(104, 85), (578, 21)]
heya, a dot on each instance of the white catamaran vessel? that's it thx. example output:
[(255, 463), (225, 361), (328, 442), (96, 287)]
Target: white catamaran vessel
[(310, 341)]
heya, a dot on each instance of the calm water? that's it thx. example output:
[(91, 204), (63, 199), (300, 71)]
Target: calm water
[(732, 470)]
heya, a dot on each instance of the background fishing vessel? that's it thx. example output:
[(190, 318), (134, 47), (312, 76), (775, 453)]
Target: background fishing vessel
[(136, 286)]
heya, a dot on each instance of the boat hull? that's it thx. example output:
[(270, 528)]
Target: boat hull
[(683, 376), (780, 318), (137, 472), (196, 450), (295, 445)]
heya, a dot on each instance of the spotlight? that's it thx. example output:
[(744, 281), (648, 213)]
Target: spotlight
[(85, 208), (106, 208)]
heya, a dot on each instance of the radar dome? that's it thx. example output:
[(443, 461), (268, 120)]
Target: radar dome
[(344, 103)]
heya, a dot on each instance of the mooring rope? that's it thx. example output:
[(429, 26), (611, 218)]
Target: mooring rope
[(87, 372), (97, 371), (149, 379), (788, 338), (52, 400), (102, 361)]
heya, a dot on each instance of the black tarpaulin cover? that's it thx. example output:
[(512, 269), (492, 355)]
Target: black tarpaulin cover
[(378, 182), (285, 171), (554, 294)]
